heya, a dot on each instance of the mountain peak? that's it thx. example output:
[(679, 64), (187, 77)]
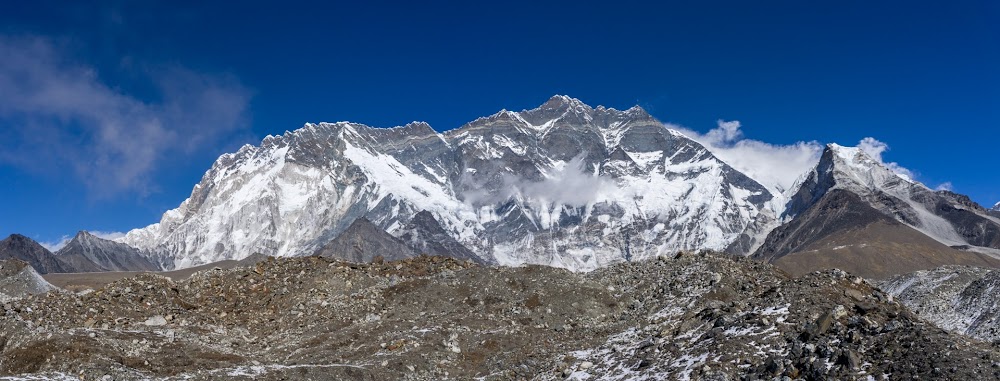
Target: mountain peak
[(26, 249), (848, 154), (88, 252), (418, 124), (855, 160), (563, 102), (19, 240), (996, 206), (560, 99)]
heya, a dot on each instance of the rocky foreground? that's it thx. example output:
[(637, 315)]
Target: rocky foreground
[(704, 316)]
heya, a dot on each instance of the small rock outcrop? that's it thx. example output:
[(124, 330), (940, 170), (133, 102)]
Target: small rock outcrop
[(18, 279)]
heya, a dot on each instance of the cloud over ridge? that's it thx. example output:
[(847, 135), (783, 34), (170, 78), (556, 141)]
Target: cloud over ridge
[(775, 166)]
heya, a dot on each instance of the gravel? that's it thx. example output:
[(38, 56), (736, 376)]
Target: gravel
[(698, 316)]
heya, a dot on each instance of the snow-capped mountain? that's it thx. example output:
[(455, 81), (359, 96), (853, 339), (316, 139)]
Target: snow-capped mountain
[(563, 184), (949, 218), (850, 207)]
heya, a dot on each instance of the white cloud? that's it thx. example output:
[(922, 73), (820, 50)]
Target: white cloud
[(59, 117), (569, 184), (775, 166), (874, 148), (945, 186), (110, 236), (54, 246)]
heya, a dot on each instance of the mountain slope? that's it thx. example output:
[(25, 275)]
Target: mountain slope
[(426, 236), (960, 299), (19, 247), (18, 279), (88, 253), (363, 241), (853, 213), (564, 185)]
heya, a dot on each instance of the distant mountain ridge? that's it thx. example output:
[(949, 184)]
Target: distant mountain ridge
[(89, 253), (563, 184), (84, 253), (25, 249)]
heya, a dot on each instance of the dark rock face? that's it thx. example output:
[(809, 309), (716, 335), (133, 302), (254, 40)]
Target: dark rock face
[(814, 187), (841, 231), (831, 213), (88, 253), (19, 247), (426, 236), (363, 241), (973, 227), (994, 211)]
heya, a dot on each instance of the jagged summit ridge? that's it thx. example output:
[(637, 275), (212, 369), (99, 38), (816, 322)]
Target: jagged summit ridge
[(851, 209), (563, 184), (89, 253)]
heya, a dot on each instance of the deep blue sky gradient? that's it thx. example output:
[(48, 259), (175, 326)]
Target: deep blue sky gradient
[(922, 77)]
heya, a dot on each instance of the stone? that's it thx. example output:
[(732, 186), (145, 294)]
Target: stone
[(854, 294), (838, 312), (155, 321)]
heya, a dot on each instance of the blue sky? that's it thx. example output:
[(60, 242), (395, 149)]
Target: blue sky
[(109, 114)]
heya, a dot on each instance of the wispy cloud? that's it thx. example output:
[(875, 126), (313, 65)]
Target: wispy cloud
[(945, 186), (566, 184), (58, 116), (775, 166), (874, 148), (54, 246), (111, 236), (60, 243), (569, 184)]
